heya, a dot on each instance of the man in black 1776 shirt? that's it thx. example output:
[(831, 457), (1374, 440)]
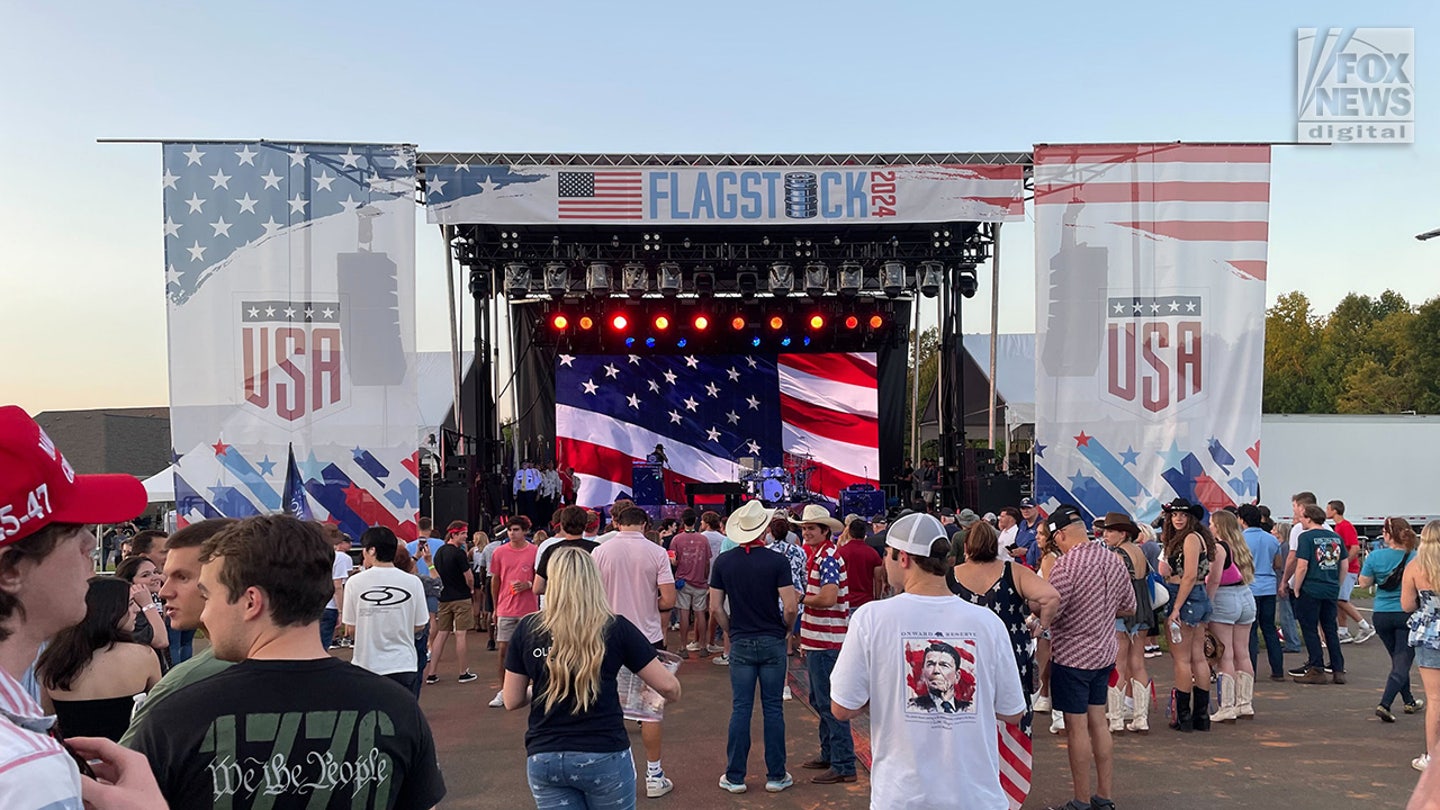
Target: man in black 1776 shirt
[(289, 726)]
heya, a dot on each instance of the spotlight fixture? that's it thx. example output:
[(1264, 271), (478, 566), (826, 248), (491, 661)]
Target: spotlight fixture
[(635, 279), (747, 281), (876, 321), (851, 322), (587, 322), (597, 279), (560, 323), (557, 279), (930, 275), (892, 278), (817, 321), (619, 323), (662, 322), (701, 323), (817, 279), (737, 323), (852, 278), (776, 322), (517, 280), (782, 279), (969, 284), (704, 281), (668, 279)]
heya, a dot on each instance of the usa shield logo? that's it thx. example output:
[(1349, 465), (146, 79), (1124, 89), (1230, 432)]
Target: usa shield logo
[(292, 358), (1156, 353)]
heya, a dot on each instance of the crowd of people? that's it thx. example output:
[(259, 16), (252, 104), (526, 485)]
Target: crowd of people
[(103, 701)]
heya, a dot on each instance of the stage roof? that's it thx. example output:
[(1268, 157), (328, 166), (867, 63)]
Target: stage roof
[(722, 159)]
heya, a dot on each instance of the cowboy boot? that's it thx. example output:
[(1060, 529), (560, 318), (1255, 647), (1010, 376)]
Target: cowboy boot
[(1245, 695), (1140, 723), (1200, 708), (1115, 707), (1226, 714), (1182, 720), (1057, 721)]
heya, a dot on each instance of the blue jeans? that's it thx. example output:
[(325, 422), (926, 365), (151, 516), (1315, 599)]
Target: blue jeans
[(182, 646), (756, 661), (1395, 635), (836, 745), (1317, 616), (1286, 605), (1265, 624), (328, 620), (576, 780)]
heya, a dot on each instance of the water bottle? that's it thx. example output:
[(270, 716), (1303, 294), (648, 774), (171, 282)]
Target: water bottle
[(1174, 632)]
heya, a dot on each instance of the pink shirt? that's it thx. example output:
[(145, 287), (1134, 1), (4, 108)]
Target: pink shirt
[(509, 564), (692, 558), (632, 569)]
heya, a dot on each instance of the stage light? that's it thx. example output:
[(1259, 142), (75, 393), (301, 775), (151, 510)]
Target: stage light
[(785, 341), (852, 278), (681, 343), (650, 343), (969, 284), (557, 279), (782, 279), (892, 278), (517, 280), (851, 322), (747, 282), (619, 323), (662, 322), (597, 279), (629, 342), (755, 341), (876, 321), (705, 281), (817, 321), (931, 274), (701, 323), (817, 279), (587, 322), (560, 323), (737, 323), (806, 340), (669, 279), (635, 279), (776, 321)]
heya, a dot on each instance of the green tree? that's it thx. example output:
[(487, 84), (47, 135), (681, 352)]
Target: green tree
[(929, 370), (1292, 341)]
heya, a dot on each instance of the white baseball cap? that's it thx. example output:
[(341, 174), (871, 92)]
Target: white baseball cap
[(915, 533)]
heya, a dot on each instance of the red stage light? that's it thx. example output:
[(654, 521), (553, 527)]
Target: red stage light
[(586, 322), (619, 323), (662, 322), (701, 323), (817, 321), (776, 322), (560, 322), (876, 321), (737, 323), (851, 322)]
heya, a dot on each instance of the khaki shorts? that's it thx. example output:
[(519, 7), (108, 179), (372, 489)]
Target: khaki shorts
[(692, 597), (458, 616), (505, 627)]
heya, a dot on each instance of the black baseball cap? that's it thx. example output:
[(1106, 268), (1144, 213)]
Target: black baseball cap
[(1064, 516)]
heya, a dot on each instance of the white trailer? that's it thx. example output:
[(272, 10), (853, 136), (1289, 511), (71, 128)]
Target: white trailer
[(1379, 465)]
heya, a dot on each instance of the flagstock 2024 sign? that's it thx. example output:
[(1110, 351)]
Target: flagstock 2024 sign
[(1150, 262), (290, 276), (715, 195)]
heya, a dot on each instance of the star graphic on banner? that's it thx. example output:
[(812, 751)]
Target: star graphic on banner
[(1155, 307), (690, 404), (247, 205), (328, 313), (654, 386), (1174, 306), (402, 159), (1189, 306), (486, 185), (197, 252), (168, 179), (590, 386), (752, 402), (1138, 307), (712, 434), (635, 359), (297, 158), (311, 469), (174, 456), (269, 312), (712, 390), (675, 417), (220, 179), (350, 204), (192, 158), (435, 186), (297, 204), (322, 183), (172, 228), (1078, 480), (266, 465), (691, 361), (1040, 450), (247, 157), (1119, 308), (220, 446), (1082, 440), (611, 371), (350, 159), (1130, 456), (172, 275), (634, 401), (272, 180), (271, 226), (754, 448), (289, 312), (1173, 457), (734, 374), (732, 417), (462, 167), (670, 377), (309, 312), (222, 228), (567, 359), (751, 361), (195, 203), (254, 312)]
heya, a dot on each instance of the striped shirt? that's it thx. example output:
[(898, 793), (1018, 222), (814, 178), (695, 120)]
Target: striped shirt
[(1094, 588), (35, 771), (824, 628)]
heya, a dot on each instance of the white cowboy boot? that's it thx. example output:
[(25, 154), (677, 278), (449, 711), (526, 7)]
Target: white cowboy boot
[(1226, 713), (1115, 707), (1057, 722), (1140, 723), (1245, 695)]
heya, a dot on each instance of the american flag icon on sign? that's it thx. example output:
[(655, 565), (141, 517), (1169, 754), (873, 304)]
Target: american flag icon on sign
[(603, 195)]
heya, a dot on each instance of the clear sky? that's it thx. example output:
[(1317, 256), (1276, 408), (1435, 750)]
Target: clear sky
[(80, 237)]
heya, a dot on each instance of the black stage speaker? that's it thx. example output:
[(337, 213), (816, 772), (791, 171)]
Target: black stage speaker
[(996, 492), (647, 483), (730, 490), (862, 500), (446, 502)]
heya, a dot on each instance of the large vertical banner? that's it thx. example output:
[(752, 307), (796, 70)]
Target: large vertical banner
[(1150, 262), (290, 276)]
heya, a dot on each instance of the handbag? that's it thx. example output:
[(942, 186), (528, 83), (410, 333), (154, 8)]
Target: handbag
[(1159, 594), (1395, 577)]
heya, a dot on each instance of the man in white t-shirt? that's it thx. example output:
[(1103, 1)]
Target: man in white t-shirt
[(1009, 521), (339, 572), (938, 677), (385, 607)]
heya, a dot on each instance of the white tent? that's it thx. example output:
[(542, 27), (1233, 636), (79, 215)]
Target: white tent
[(160, 487)]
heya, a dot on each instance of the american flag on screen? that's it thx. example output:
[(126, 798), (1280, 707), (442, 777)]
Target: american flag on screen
[(708, 410), (600, 195)]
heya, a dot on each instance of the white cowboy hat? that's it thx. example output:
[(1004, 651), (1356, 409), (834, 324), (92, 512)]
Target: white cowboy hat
[(815, 513), (748, 523)]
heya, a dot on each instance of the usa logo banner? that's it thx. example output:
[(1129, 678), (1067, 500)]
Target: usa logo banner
[(714, 195), (1150, 321), (290, 283)]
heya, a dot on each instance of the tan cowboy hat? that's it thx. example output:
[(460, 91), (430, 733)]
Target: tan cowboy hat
[(815, 513), (1120, 522), (748, 523)]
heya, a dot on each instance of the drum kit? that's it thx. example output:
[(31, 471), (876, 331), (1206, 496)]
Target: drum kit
[(789, 483)]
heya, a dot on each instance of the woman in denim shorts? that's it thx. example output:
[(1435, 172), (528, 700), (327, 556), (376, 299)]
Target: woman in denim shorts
[(1420, 596), (1188, 549), (1229, 588)]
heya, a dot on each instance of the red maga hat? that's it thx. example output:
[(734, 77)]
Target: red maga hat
[(38, 486)]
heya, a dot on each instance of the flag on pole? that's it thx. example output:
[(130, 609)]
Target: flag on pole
[(297, 503)]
